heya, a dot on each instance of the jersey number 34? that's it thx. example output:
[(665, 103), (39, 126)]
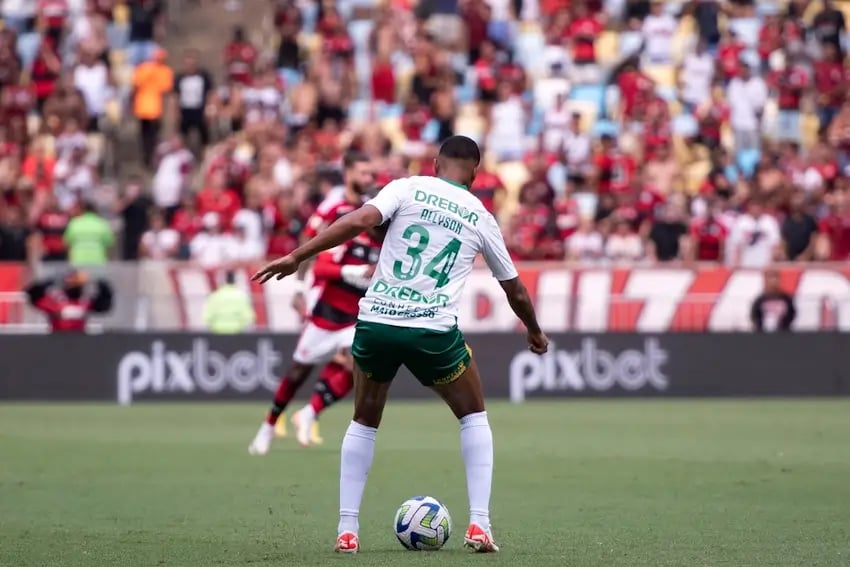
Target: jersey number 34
[(438, 268)]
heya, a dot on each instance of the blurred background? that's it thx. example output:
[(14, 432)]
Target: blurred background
[(646, 160)]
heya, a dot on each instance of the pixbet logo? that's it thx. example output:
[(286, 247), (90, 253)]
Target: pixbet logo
[(199, 369), (588, 368)]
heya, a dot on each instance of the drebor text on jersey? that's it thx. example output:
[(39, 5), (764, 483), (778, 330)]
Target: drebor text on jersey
[(447, 205), (409, 294)]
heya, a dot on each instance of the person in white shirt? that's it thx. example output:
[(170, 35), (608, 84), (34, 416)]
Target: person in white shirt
[(211, 247), (755, 239), (556, 122), (697, 76), (624, 245), (585, 244), (92, 79), (506, 138), (74, 178), (658, 30), (747, 95), (248, 237), (172, 173), (159, 242)]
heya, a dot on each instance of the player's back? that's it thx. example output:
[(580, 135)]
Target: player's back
[(437, 229)]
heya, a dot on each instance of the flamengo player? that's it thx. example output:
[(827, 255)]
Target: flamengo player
[(409, 317), (341, 278)]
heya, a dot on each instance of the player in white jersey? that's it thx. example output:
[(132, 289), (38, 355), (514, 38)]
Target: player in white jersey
[(409, 317)]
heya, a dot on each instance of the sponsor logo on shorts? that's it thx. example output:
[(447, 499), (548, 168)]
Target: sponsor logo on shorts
[(456, 373)]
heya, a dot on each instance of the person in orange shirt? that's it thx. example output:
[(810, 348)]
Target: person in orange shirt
[(152, 81)]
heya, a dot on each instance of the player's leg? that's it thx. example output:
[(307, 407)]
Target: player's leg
[(314, 345), (334, 383), (374, 368), (465, 398), (444, 363)]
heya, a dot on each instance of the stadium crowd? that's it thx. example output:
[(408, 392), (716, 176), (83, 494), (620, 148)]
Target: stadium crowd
[(614, 131)]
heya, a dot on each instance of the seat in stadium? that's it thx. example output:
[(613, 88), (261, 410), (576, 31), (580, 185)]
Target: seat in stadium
[(663, 75), (589, 112), (594, 94), (608, 47), (513, 174), (603, 127), (747, 160)]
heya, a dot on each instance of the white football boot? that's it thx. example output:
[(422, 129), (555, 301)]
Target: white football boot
[(262, 440), (303, 421)]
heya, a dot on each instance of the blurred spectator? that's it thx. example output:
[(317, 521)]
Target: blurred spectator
[(658, 29), (829, 24), (171, 179), (697, 76), (89, 238), (835, 230), (45, 71), (773, 310), (831, 80), (754, 239), (151, 82), (68, 302), (75, 177), (14, 235), (212, 247), (193, 86), (134, 208), (799, 229), (188, 222), (159, 242), (747, 95), (586, 243), (49, 230), (92, 79), (216, 198), (146, 20), (228, 310), (239, 59), (707, 236), (667, 235), (624, 244)]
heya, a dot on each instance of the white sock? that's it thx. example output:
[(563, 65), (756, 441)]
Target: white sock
[(358, 448), (476, 444)]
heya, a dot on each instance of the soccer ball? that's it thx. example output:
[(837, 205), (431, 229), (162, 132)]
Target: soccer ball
[(423, 524)]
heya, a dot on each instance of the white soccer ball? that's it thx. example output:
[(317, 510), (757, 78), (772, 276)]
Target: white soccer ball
[(423, 524)]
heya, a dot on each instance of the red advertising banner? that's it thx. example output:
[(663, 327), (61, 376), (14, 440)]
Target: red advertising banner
[(650, 299)]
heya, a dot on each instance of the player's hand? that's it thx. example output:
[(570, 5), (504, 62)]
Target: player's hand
[(538, 343), (370, 271), (278, 269)]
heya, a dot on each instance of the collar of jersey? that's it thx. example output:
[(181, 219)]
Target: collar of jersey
[(455, 183)]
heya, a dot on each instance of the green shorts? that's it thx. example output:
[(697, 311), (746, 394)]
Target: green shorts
[(434, 357)]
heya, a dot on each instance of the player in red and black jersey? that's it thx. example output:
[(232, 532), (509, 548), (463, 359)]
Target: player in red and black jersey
[(341, 277), (69, 303)]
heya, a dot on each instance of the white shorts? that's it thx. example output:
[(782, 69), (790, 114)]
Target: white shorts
[(316, 345)]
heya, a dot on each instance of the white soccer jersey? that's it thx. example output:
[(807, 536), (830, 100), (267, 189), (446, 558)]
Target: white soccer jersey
[(437, 229)]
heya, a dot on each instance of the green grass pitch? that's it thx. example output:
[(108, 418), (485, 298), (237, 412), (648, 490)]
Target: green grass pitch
[(632, 484)]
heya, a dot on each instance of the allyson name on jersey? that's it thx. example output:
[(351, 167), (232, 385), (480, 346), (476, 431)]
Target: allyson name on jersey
[(437, 230)]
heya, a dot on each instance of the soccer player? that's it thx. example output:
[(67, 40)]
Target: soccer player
[(341, 277), (409, 317)]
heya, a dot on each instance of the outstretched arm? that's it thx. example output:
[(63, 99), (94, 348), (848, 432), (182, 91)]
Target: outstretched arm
[(339, 232), (522, 306)]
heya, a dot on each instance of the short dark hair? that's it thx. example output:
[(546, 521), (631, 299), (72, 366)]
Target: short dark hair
[(352, 158), (230, 277), (460, 148)]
